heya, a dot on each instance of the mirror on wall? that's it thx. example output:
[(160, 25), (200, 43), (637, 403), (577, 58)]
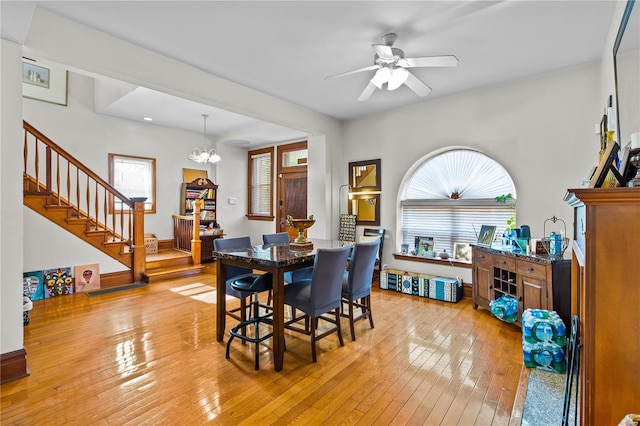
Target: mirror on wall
[(365, 184), (366, 208), (365, 176), (626, 57)]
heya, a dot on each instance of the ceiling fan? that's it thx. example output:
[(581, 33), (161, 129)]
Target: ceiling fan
[(391, 66)]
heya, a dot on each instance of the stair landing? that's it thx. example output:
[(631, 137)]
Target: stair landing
[(169, 263)]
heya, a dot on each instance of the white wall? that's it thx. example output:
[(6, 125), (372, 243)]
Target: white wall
[(11, 225), (540, 129)]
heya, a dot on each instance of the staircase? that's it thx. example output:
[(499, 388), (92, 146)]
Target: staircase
[(63, 190)]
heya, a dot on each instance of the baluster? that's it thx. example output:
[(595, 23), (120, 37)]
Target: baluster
[(78, 190), (104, 208), (88, 186), (47, 177), (37, 164), (68, 182), (58, 177)]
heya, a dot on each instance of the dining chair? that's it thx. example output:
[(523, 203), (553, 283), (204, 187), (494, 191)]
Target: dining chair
[(282, 238), (370, 233), (253, 285), (318, 295), (235, 273), (356, 283)]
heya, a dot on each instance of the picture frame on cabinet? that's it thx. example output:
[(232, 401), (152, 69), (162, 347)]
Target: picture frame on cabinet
[(605, 165), (485, 238)]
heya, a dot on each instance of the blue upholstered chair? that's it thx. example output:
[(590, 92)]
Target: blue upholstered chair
[(356, 282), (235, 273), (320, 294), (282, 238), (253, 285)]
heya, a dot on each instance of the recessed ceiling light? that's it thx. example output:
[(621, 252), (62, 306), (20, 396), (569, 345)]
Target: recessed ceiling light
[(148, 119)]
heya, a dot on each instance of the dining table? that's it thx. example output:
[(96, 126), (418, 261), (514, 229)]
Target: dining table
[(271, 258)]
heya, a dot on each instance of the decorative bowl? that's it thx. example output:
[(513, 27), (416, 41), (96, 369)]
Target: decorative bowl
[(301, 225)]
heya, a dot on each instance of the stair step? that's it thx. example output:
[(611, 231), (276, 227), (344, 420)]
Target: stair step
[(171, 272)]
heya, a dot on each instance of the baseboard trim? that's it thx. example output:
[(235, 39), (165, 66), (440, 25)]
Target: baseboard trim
[(13, 366), (113, 279)]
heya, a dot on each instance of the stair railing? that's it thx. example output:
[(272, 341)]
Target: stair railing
[(50, 170), (186, 230)]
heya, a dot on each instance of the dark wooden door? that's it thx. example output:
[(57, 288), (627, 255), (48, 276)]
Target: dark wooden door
[(292, 189)]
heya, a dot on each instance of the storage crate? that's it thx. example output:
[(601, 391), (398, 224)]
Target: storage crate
[(150, 243), (423, 285), (447, 289)]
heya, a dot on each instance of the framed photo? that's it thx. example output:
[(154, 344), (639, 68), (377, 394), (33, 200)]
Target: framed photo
[(87, 277), (486, 235), (606, 164), (462, 251), (424, 246), (43, 82)]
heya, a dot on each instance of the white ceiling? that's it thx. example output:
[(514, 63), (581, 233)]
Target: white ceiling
[(287, 48)]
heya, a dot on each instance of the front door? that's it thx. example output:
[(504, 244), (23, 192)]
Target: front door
[(292, 185)]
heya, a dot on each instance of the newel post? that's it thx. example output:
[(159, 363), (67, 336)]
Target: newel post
[(139, 250), (196, 244)]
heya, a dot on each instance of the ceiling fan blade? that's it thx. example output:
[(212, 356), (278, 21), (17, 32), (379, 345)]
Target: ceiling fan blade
[(417, 86), (383, 51), (367, 92), (342, 74), (429, 61)]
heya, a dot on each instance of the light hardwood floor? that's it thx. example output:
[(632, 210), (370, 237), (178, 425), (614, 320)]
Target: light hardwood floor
[(149, 356)]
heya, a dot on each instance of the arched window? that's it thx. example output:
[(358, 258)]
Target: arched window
[(450, 195)]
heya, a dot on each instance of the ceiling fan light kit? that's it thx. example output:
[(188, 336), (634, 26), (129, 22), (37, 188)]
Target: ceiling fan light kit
[(204, 155), (391, 68)]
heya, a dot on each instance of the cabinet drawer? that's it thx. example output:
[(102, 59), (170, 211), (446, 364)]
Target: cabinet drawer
[(481, 256), (531, 269), (504, 262)]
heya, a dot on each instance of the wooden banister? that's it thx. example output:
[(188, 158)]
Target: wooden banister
[(69, 183)]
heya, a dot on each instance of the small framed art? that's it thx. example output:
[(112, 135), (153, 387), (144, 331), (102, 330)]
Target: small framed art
[(462, 251), (487, 233), (43, 82), (424, 246)]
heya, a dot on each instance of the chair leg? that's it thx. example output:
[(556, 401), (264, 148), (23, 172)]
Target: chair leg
[(368, 304), (314, 322), (256, 307), (337, 311), (351, 321)]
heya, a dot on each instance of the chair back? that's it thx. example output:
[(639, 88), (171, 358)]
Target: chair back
[(363, 261), (374, 232), (239, 243), (326, 279), (276, 239)]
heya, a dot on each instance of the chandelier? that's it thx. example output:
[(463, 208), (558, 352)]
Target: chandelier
[(204, 155)]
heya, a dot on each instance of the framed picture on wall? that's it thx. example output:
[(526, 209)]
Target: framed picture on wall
[(44, 82)]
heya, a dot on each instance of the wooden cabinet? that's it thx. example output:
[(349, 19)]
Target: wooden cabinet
[(202, 190), (537, 282), (606, 283), (205, 191)]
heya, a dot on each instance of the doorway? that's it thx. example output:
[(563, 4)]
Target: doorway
[(291, 186)]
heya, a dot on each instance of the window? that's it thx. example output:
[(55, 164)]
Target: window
[(134, 177), (451, 194), (261, 184)]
